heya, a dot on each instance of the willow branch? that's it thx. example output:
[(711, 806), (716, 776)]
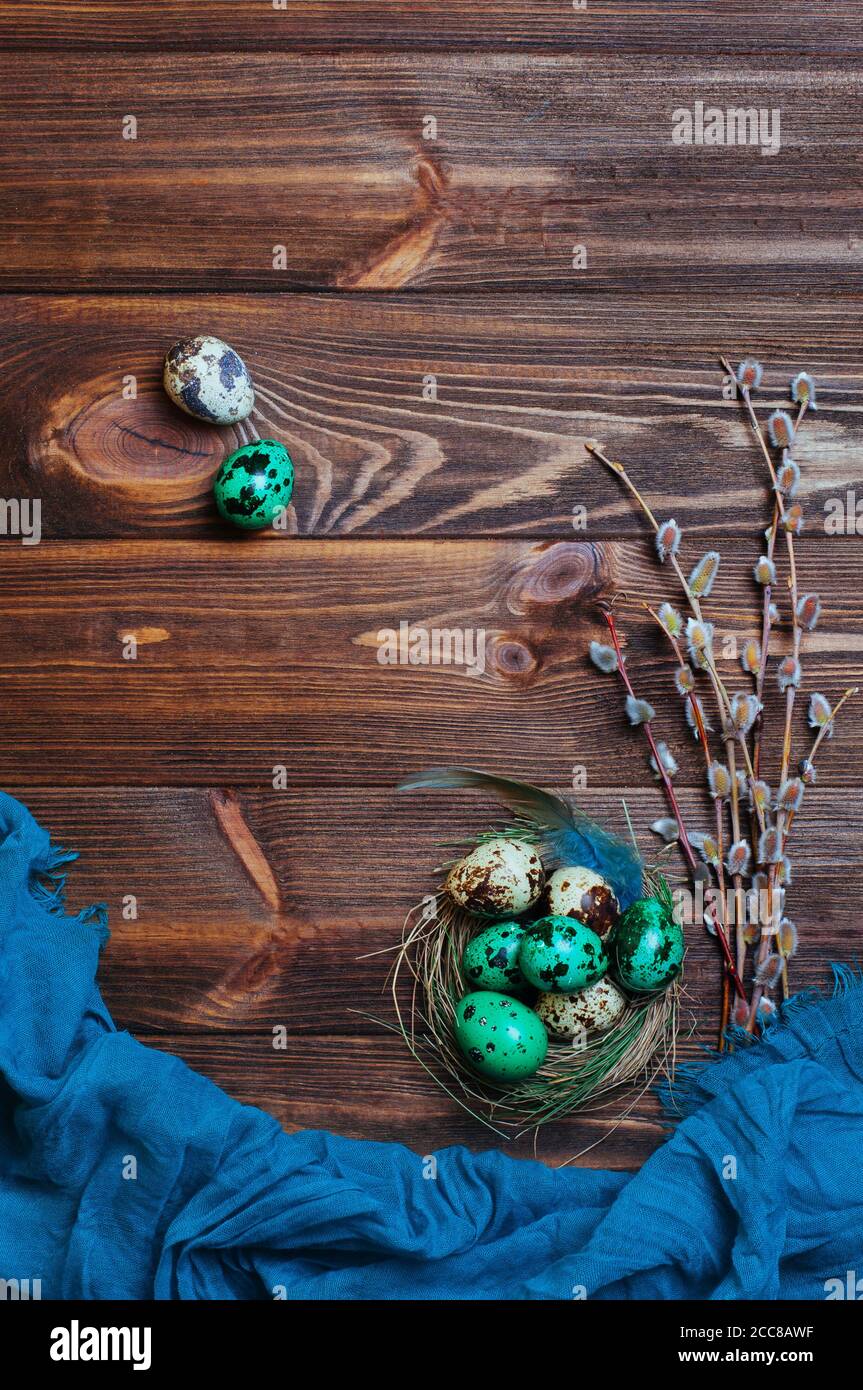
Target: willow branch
[(671, 796)]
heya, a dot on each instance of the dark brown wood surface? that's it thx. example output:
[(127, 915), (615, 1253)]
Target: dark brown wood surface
[(651, 26), (268, 915), (316, 173), (407, 261), (257, 654), (521, 383)]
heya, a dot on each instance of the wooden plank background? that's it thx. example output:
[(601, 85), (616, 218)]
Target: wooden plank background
[(405, 259), (607, 26), (521, 380), (317, 173), (269, 654)]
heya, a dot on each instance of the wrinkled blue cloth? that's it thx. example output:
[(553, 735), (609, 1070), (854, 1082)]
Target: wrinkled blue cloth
[(757, 1194)]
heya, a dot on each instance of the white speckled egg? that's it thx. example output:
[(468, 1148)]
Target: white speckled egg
[(584, 895), (500, 878), (207, 379), (595, 1008)]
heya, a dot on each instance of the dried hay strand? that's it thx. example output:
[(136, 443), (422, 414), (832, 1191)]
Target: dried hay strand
[(426, 983)]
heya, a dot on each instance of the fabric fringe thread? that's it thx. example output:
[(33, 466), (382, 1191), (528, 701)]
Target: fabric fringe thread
[(793, 1033), (48, 889)]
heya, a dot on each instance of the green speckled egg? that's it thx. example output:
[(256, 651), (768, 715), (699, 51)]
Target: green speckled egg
[(254, 484), (646, 947), (501, 1038), (560, 955), (490, 960)]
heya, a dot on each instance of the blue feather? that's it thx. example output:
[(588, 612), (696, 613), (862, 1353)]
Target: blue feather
[(571, 835), (594, 848)]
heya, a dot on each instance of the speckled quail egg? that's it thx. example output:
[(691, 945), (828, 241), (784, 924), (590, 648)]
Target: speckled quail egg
[(208, 379), (254, 484), (646, 947), (501, 1038), (560, 955), (584, 895), (595, 1008), (500, 878), (490, 960)]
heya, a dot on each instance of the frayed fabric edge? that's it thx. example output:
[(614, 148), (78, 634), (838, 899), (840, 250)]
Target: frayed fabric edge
[(788, 1036), (48, 889)]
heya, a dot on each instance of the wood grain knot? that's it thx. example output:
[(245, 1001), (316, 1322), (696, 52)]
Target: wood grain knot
[(94, 443), (400, 259), (565, 572), (512, 658), (144, 636), (239, 835)]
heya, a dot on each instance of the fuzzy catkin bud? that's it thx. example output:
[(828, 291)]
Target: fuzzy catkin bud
[(787, 477), (670, 619), (719, 781), (738, 858), (770, 846), (690, 716), (769, 971), (767, 911), (749, 373), (706, 846), (667, 828), (759, 796), (668, 539), (684, 680), (702, 577), (750, 657), (666, 759), (803, 389), (793, 520), (809, 611), (820, 713), (639, 711), (744, 712), (740, 1016), (780, 429), (789, 673), (699, 639), (604, 658), (787, 938), (790, 795)]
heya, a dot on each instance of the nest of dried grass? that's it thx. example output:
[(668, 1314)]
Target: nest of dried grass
[(426, 982)]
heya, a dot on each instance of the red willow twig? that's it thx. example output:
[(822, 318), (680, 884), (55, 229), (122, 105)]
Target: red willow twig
[(686, 847)]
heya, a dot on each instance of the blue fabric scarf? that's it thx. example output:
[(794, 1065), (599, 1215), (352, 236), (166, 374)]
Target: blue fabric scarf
[(757, 1194)]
